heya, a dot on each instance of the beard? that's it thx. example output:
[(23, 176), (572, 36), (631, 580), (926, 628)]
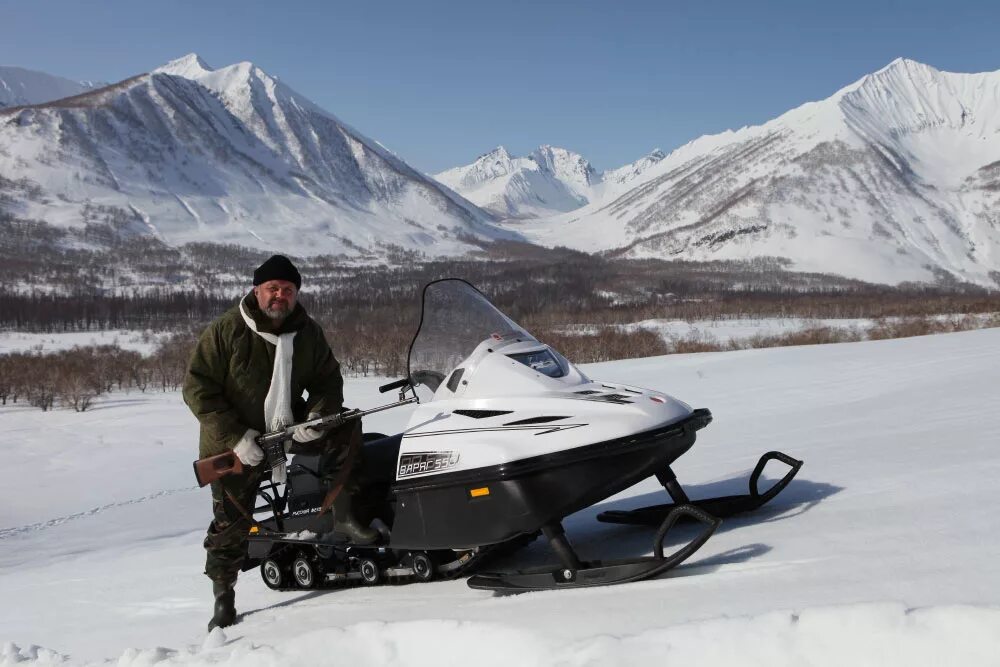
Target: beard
[(277, 310)]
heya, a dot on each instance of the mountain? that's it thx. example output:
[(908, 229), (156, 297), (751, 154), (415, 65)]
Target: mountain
[(190, 153), (894, 178), (548, 181), (20, 86)]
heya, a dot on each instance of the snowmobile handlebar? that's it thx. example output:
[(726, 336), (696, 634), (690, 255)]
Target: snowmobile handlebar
[(211, 468), (398, 384)]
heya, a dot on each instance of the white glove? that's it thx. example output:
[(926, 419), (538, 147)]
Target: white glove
[(305, 433), (247, 450)]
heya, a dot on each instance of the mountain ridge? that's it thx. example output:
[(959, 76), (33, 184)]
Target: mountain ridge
[(548, 180), (888, 180), (20, 86), (230, 155), (892, 178)]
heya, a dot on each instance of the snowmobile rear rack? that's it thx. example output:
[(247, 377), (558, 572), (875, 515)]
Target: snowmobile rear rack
[(724, 506), (575, 573)]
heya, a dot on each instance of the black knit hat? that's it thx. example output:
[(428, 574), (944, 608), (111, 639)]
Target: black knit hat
[(278, 267)]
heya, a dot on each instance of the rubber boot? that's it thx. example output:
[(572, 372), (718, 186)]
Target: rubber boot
[(225, 605), (344, 522)]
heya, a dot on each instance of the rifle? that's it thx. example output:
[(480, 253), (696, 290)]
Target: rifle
[(211, 468)]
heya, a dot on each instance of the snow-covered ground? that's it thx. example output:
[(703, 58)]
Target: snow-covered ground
[(143, 342), (882, 551)]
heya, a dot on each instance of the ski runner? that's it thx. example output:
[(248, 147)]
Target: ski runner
[(246, 376)]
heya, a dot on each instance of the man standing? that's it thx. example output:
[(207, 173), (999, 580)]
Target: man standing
[(246, 376)]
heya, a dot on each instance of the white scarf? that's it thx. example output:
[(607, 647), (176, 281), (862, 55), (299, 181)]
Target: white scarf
[(278, 403)]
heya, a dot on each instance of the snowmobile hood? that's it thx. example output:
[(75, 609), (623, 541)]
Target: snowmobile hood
[(491, 393)]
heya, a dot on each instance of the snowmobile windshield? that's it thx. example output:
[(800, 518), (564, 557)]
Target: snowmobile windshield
[(455, 319)]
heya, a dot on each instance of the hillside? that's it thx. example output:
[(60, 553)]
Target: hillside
[(893, 178), (188, 153)]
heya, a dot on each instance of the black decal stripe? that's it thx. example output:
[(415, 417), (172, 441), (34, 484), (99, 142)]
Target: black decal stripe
[(458, 431), (535, 420), (481, 414)]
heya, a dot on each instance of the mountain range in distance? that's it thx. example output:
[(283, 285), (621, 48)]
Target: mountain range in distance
[(895, 177), (549, 181)]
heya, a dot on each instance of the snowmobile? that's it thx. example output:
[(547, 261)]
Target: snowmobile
[(507, 439)]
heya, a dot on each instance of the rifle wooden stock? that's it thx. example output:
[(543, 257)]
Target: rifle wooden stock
[(211, 468)]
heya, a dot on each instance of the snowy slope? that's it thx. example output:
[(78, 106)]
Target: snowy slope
[(895, 177), (19, 86), (228, 155), (881, 552), (548, 181)]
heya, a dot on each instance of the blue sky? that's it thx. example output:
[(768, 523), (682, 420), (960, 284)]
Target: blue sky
[(442, 82)]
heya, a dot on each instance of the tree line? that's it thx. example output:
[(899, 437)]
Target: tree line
[(75, 378), (110, 275)]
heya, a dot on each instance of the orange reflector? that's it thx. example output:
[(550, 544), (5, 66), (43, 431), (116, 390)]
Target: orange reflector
[(480, 492), (254, 530)]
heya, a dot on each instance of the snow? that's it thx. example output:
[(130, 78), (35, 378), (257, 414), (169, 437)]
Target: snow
[(882, 550), (228, 155), (143, 342), (544, 183), (892, 178)]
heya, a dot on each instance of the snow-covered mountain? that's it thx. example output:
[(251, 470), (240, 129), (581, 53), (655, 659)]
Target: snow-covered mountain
[(895, 177), (548, 181), (225, 155), (19, 86)]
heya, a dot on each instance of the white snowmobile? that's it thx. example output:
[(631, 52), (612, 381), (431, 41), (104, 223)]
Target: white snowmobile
[(508, 439)]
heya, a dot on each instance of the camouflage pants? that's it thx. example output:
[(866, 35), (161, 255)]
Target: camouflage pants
[(226, 540)]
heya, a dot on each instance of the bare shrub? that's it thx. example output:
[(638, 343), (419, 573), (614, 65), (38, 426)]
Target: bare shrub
[(42, 388), (170, 359), (76, 392), (905, 327), (814, 335), (7, 373), (694, 342)]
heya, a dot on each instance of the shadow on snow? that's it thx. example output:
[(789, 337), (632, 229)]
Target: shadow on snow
[(601, 541)]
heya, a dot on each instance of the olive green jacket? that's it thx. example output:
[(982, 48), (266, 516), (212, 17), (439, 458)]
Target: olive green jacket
[(229, 375)]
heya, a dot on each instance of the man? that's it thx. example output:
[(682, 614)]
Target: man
[(246, 376)]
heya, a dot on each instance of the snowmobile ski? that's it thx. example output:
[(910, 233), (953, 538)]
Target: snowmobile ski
[(574, 573), (723, 506)]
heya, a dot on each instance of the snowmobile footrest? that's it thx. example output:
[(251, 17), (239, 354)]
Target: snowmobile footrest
[(724, 506), (603, 573)]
